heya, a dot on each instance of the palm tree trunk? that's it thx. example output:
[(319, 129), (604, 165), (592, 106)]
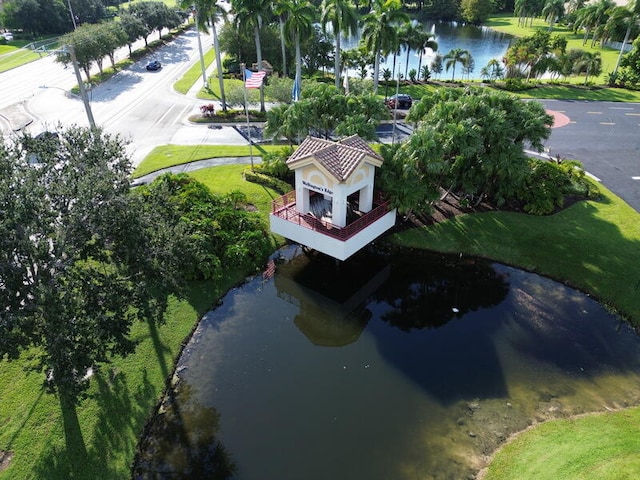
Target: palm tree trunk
[(624, 42), (259, 54), (282, 46), (376, 69), (216, 46), (336, 66), (406, 67)]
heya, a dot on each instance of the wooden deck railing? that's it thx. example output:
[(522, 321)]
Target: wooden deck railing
[(285, 207)]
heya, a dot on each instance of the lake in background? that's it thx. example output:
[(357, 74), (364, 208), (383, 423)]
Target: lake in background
[(386, 366), (483, 44)]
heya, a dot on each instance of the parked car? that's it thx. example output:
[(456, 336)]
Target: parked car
[(8, 36), (155, 65), (404, 101)]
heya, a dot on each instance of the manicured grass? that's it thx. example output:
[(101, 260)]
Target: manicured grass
[(194, 73), (576, 93), (12, 57), (508, 23), (597, 447), (122, 395), (227, 178), (165, 156)]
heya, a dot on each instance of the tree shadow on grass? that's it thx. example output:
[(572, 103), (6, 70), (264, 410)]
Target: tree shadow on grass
[(122, 414)]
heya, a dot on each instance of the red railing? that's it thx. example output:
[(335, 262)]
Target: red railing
[(285, 207)]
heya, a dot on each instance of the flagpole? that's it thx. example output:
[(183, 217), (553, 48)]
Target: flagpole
[(395, 110), (246, 109)]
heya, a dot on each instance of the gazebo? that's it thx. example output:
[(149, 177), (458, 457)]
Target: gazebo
[(334, 208)]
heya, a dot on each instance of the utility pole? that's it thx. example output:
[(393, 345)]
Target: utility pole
[(83, 92), (73, 17)]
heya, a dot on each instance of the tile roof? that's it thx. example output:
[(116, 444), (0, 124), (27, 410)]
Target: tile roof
[(339, 158)]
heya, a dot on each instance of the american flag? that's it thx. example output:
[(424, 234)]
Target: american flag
[(253, 79)]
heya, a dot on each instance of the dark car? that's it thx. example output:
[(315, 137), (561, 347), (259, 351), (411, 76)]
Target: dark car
[(155, 65), (404, 101)]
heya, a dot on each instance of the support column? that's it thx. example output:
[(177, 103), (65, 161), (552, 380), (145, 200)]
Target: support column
[(366, 199)]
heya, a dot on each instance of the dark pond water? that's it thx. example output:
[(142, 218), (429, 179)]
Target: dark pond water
[(389, 366), (483, 44)]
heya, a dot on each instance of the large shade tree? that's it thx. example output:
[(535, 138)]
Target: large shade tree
[(81, 260), (471, 141), (325, 111)]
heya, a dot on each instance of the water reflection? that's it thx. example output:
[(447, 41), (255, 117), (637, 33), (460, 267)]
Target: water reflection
[(180, 441), (439, 360), (331, 298), (483, 44)]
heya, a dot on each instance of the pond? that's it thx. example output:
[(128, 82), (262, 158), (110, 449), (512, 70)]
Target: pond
[(388, 366), (483, 43)]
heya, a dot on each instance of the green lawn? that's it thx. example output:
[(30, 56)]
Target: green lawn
[(13, 56), (595, 447), (165, 156), (194, 73), (507, 23)]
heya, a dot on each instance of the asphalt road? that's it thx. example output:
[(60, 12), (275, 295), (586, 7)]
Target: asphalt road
[(605, 138)]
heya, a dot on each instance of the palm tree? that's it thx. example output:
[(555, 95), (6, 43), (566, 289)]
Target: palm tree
[(634, 9), (436, 65), (281, 8), (527, 9), (409, 37), (215, 12), (553, 11), (198, 10), (342, 16), (457, 55), (591, 63), (426, 40), (249, 14), (603, 7), (495, 69), (586, 18), (299, 24), (379, 31)]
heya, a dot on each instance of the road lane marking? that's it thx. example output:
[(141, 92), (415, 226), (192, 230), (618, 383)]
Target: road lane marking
[(633, 114), (635, 178), (182, 113), (164, 115), (595, 113), (607, 123), (621, 108)]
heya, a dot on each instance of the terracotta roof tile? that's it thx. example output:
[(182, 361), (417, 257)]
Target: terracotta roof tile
[(339, 158)]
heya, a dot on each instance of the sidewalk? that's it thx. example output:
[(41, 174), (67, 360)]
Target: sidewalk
[(190, 167)]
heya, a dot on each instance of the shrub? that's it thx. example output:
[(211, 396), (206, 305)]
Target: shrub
[(276, 184), (279, 89), (274, 164), (550, 182), (208, 110)]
